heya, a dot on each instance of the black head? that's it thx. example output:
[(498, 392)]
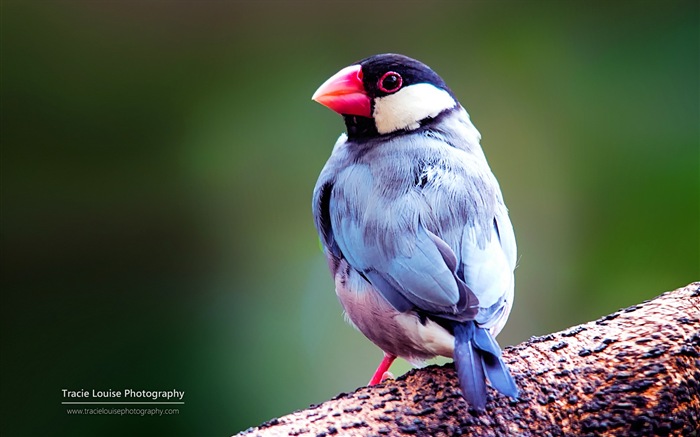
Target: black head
[(388, 73)]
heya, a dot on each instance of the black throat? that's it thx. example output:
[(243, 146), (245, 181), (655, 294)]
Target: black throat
[(360, 127)]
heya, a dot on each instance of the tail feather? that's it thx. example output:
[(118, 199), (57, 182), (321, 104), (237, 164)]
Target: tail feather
[(470, 369), (477, 356), (495, 367)]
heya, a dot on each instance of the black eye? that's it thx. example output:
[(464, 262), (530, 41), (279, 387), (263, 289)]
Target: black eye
[(390, 82)]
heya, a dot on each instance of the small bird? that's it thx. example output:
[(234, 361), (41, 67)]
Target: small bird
[(413, 223)]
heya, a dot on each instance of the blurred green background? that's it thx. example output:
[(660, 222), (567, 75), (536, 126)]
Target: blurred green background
[(158, 160)]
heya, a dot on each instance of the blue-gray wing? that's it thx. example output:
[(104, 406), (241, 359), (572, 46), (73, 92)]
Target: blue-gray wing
[(488, 266), (384, 237)]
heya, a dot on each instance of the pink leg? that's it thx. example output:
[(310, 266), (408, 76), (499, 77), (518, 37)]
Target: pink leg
[(383, 367)]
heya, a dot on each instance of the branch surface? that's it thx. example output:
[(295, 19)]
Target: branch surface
[(635, 372)]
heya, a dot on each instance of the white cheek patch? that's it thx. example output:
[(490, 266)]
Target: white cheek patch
[(407, 107)]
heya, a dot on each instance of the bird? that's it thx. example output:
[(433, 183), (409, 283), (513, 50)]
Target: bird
[(413, 223)]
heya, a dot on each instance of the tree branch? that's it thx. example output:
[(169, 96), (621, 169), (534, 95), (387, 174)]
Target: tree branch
[(635, 372)]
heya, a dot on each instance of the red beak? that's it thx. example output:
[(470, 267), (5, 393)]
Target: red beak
[(344, 93)]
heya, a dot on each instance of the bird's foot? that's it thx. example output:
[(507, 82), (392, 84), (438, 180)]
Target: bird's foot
[(382, 373)]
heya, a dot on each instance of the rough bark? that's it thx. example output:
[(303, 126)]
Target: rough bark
[(635, 372)]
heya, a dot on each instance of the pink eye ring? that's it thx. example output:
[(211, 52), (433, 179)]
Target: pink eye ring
[(390, 82)]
